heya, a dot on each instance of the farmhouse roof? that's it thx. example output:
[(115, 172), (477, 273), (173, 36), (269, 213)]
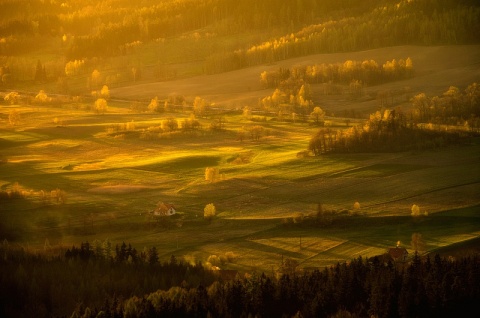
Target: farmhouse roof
[(167, 206), (164, 208)]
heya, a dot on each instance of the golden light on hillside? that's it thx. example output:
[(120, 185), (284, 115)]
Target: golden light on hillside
[(239, 158)]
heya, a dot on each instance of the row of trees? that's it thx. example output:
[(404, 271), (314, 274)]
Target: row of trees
[(452, 107), (103, 251), (90, 32), (394, 130), (363, 288), (383, 132), (171, 18), (87, 30), (369, 72), (288, 99), (99, 279), (292, 98), (395, 23), (16, 192)]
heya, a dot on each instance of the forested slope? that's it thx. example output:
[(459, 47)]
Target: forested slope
[(222, 35)]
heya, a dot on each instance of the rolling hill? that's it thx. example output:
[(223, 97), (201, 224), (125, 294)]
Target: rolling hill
[(436, 68)]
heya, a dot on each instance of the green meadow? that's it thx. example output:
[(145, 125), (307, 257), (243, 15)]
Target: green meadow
[(111, 183)]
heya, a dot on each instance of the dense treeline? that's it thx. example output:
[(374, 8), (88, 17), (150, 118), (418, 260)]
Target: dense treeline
[(292, 98), (453, 107), (172, 18), (41, 285), (94, 32), (102, 29), (362, 288), (368, 72), (426, 127), (96, 281), (408, 22), (383, 132)]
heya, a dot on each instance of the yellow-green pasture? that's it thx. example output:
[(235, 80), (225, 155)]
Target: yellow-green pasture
[(112, 177)]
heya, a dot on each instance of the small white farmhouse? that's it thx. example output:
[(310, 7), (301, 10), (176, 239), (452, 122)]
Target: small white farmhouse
[(164, 209)]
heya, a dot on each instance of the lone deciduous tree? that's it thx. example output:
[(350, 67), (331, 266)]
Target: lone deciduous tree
[(95, 79), (209, 212), (415, 210), (256, 132), (356, 208), (105, 92), (199, 106), (11, 97), (211, 174), (101, 106), (154, 106), (247, 112), (41, 97), (317, 116)]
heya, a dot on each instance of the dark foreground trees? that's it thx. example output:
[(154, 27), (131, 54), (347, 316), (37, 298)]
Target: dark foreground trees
[(83, 284), (92, 275), (363, 288)]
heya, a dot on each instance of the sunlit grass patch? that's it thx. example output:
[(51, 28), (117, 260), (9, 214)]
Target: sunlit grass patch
[(434, 243), (182, 162), (119, 189), (21, 136)]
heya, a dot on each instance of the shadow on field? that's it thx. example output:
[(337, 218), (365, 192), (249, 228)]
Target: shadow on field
[(187, 162)]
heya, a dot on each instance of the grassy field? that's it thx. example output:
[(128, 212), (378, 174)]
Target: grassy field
[(436, 68), (112, 179)]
